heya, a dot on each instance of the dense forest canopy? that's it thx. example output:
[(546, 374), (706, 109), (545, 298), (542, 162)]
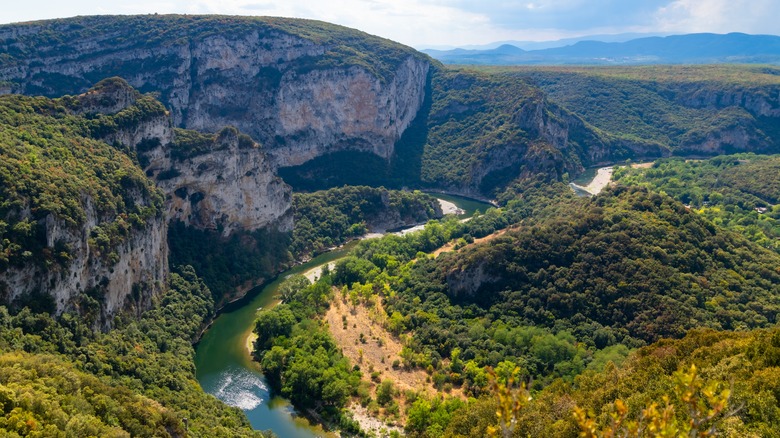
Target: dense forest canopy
[(577, 287), (738, 192), (51, 163)]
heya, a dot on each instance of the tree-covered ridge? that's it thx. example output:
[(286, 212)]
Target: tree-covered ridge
[(44, 395), (52, 166), (578, 284), (329, 218), (678, 107), (138, 379), (470, 115), (342, 47), (637, 263), (743, 362), (550, 119), (663, 386), (721, 75), (737, 192)]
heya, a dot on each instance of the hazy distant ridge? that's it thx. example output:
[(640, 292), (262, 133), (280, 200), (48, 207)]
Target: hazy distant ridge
[(701, 48)]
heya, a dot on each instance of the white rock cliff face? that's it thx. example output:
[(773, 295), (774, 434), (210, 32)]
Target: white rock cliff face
[(325, 111), (140, 265), (258, 81), (229, 188)]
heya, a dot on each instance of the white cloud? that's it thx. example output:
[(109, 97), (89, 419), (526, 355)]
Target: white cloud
[(456, 22), (720, 16)]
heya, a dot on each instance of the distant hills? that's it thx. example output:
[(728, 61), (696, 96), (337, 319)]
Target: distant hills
[(701, 48), (539, 45)]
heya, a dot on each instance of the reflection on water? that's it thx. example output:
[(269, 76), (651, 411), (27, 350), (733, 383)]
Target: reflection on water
[(240, 388)]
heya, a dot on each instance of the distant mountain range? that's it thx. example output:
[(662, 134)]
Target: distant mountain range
[(540, 45), (700, 48)]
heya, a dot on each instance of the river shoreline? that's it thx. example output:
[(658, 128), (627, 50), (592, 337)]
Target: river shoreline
[(224, 350)]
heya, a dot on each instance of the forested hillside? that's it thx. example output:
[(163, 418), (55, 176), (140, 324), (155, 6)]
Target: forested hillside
[(577, 286), (329, 218), (737, 192), (742, 366), (136, 379)]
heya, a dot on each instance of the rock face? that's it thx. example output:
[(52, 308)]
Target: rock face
[(696, 95), (126, 280), (326, 111), (291, 91), (220, 181), (230, 187), (223, 181), (115, 259)]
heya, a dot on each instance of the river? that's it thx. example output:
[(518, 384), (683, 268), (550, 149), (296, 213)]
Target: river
[(225, 369)]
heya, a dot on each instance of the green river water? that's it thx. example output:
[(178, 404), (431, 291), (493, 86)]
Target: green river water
[(225, 369)]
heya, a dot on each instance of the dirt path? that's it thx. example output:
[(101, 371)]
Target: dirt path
[(450, 246)]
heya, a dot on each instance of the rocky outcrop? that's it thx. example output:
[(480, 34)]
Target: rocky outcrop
[(763, 102), (97, 284), (232, 186), (326, 111), (465, 283), (223, 182), (289, 84), (725, 141)]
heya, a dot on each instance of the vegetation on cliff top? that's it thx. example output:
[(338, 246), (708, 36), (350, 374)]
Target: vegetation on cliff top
[(342, 47), (52, 165), (677, 107)]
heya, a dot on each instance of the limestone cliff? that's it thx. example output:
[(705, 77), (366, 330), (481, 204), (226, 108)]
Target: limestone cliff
[(82, 227), (211, 181), (763, 103), (301, 88), (94, 283), (230, 186)]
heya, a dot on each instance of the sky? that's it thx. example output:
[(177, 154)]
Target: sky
[(431, 23)]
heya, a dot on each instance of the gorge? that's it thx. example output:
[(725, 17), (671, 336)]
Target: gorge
[(157, 167)]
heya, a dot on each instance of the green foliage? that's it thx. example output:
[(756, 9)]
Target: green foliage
[(631, 112), (298, 355), (329, 218), (668, 105), (137, 378), (227, 263), (471, 115), (736, 192), (605, 262), (575, 287), (430, 417), (737, 360), (51, 166), (44, 395)]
